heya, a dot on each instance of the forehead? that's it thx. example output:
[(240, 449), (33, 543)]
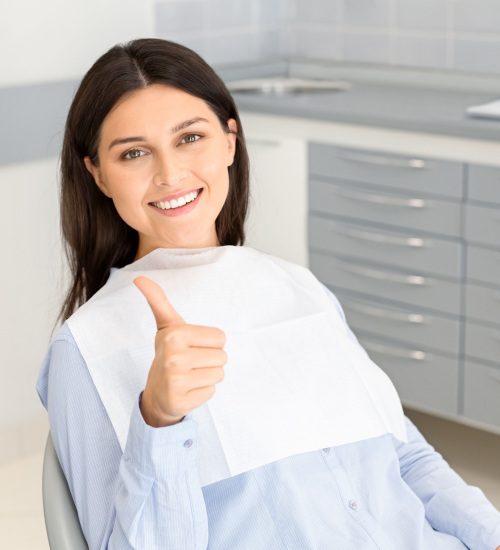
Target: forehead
[(155, 105)]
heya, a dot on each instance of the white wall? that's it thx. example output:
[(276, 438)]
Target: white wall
[(60, 39), (41, 42), (30, 280)]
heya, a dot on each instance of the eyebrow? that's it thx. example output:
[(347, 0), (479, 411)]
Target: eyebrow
[(177, 128)]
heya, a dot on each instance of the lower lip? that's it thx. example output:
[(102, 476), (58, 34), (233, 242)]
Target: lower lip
[(181, 209)]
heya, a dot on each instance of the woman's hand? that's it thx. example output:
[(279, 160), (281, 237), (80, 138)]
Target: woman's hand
[(188, 362)]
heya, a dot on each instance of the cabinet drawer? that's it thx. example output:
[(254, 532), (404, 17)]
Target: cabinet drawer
[(386, 207), (482, 303), (482, 342), (484, 183), (417, 173), (429, 381), (483, 265), (406, 324), (410, 250), (382, 282), (481, 391), (482, 225)]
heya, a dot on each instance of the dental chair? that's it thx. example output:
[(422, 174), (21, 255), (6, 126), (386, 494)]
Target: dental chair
[(61, 518)]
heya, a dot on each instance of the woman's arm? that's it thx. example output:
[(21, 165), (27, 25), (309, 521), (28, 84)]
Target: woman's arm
[(146, 498), (451, 505)]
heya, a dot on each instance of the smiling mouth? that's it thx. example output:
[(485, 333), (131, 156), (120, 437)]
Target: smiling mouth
[(177, 203)]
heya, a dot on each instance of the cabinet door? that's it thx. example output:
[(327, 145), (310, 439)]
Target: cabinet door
[(482, 303), (385, 170), (482, 388), (405, 287), (484, 184), (409, 326), (483, 342), (392, 208), (277, 217), (482, 225), (483, 265), (412, 249), (422, 379)]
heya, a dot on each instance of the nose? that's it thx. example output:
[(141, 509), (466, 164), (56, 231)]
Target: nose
[(169, 171)]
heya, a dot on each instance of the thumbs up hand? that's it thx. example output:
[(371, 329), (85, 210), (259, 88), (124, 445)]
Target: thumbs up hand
[(188, 361)]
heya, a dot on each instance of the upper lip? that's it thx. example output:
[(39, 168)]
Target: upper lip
[(176, 195)]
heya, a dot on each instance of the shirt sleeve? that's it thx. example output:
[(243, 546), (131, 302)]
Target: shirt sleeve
[(451, 505), (147, 497)]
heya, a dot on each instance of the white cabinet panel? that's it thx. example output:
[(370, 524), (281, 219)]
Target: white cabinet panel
[(277, 218)]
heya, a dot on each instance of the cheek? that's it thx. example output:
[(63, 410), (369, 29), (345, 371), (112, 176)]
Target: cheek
[(211, 166), (127, 192)]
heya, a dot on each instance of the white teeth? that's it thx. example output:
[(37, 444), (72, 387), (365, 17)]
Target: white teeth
[(175, 203)]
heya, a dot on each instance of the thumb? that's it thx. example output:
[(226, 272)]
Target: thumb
[(162, 309)]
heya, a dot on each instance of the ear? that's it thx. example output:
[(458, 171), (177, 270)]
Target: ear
[(96, 174), (231, 140)]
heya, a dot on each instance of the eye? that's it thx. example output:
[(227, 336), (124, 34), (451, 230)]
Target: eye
[(133, 154), (190, 138)]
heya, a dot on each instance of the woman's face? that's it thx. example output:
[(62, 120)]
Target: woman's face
[(158, 144)]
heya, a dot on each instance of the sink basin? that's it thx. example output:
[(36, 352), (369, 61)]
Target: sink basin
[(285, 85)]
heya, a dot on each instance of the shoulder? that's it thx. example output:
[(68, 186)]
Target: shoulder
[(63, 334), (63, 358)]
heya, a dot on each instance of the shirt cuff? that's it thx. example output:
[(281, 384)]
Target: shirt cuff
[(161, 452)]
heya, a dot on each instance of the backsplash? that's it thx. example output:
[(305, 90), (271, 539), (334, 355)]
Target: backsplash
[(460, 35), (226, 31)]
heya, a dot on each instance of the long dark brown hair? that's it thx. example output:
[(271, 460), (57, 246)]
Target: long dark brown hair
[(95, 237)]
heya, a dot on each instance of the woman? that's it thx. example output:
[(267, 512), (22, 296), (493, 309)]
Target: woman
[(154, 161)]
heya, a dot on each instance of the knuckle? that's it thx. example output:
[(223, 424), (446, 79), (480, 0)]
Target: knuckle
[(173, 361), (173, 337)]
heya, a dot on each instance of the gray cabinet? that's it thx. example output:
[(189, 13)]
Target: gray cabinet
[(384, 170), (411, 247), (482, 388), (482, 296)]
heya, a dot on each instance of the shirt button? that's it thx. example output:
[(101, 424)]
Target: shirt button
[(188, 443), (353, 505)]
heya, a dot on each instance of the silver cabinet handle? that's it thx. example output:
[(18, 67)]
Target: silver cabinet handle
[(380, 160), (415, 280), (382, 200), (399, 316), (413, 242), (416, 355)]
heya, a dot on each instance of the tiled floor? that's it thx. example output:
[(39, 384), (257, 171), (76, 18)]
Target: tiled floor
[(474, 454)]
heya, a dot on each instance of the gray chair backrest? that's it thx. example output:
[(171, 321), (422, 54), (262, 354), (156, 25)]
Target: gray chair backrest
[(61, 518)]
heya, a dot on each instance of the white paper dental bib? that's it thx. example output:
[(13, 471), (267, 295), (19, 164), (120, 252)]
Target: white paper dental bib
[(294, 381)]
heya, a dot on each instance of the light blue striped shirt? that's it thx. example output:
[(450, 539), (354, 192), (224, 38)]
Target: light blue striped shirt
[(373, 494)]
